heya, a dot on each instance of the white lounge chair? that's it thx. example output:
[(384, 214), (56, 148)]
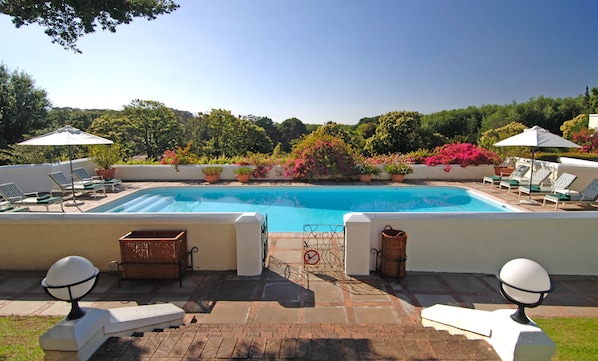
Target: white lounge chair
[(538, 177), (563, 182), (64, 185), (17, 198), (587, 196), (519, 172), (85, 177)]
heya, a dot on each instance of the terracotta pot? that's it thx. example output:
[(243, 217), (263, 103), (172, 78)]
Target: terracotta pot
[(212, 178), (243, 178), (106, 173), (505, 171), (365, 178), (397, 178)]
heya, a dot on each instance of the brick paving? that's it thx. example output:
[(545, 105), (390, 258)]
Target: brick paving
[(317, 341)]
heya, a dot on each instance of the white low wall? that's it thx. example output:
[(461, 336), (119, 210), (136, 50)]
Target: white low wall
[(564, 243), (34, 241)]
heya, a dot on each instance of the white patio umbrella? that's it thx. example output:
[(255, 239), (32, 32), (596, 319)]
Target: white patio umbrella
[(68, 136), (536, 137)]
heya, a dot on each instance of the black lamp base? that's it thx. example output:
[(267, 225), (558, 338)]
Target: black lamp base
[(520, 316), (76, 311)]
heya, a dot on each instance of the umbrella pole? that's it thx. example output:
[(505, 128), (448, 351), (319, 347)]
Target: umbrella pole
[(530, 201), (74, 201)]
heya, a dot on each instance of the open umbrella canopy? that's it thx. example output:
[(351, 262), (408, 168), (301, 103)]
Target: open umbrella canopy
[(66, 135), (536, 137), (69, 136)]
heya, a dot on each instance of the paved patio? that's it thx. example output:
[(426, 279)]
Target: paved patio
[(288, 313)]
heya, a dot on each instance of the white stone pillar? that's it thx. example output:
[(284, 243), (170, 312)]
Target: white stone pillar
[(357, 244), (249, 244)]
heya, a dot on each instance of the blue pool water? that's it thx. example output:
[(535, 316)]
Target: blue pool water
[(289, 208)]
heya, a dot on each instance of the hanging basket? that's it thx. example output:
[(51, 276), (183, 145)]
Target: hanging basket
[(394, 252)]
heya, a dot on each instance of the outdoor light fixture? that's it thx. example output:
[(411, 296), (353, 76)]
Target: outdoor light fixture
[(70, 279), (526, 284)]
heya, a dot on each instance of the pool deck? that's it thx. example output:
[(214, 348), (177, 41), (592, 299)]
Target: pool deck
[(288, 313)]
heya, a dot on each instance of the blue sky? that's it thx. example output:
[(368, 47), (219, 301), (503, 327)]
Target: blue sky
[(322, 60)]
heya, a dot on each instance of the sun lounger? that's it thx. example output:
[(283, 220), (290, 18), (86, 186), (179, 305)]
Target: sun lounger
[(63, 184), (563, 182), (19, 200), (519, 172), (538, 177), (586, 196), (83, 176)]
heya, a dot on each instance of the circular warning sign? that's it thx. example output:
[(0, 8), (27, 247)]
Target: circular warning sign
[(311, 257)]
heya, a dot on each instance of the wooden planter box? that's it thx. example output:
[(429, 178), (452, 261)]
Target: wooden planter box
[(153, 255)]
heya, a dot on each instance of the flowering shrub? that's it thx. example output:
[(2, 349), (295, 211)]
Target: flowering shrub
[(169, 157), (179, 156), (588, 139), (367, 165), (325, 157), (463, 154), (262, 164)]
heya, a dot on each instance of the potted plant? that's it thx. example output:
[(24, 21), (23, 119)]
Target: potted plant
[(366, 169), (212, 173), (397, 171), (105, 156), (243, 173), (505, 168)]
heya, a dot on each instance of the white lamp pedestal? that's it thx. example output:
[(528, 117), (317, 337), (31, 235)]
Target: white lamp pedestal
[(77, 340), (512, 341)]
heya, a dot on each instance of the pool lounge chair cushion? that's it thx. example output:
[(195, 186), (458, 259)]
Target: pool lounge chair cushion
[(16, 197), (563, 182), (64, 185), (83, 176), (587, 195), (538, 178), (519, 172)]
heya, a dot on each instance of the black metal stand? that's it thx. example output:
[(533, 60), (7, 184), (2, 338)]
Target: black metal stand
[(117, 265)]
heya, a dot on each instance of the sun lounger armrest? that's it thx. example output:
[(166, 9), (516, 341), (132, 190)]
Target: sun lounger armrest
[(567, 192), (32, 194)]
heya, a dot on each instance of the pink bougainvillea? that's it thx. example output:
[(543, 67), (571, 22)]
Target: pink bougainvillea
[(323, 158), (588, 139), (463, 154)]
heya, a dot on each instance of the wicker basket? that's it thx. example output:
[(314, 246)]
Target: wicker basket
[(153, 254), (394, 253)]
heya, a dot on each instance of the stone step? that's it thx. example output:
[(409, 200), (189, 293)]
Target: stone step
[(295, 341)]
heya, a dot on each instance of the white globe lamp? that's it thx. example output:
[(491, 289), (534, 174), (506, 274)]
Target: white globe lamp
[(526, 284), (70, 279)]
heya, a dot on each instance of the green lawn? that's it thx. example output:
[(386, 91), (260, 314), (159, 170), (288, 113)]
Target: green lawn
[(19, 337), (575, 338)]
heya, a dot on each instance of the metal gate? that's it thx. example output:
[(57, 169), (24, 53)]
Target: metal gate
[(324, 247)]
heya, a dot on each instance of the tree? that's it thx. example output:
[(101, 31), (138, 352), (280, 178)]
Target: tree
[(68, 20), (490, 137), (152, 127), (78, 118), (270, 128), (220, 133), (575, 125), (118, 128), (23, 107), (291, 129), (398, 132)]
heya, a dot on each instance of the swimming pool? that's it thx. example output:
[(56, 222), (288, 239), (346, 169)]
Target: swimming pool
[(289, 208)]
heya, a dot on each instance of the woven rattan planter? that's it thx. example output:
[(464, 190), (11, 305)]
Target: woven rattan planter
[(394, 253), (153, 255)]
